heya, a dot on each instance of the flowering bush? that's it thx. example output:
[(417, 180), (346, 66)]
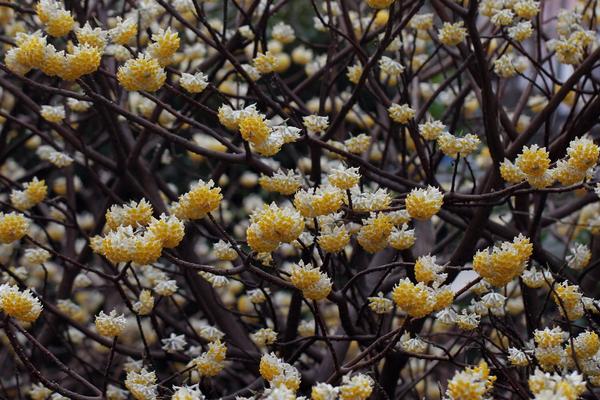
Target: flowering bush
[(334, 199)]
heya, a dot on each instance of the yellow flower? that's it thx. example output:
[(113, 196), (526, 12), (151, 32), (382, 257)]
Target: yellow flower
[(110, 325), (472, 383), (281, 182), (415, 300), (533, 161), (84, 59), (568, 299), (322, 201), (141, 384), (254, 128), (31, 49), (373, 235), (165, 45), (452, 34), (199, 201), (403, 238), (271, 226), (503, 263), (344, 178), (168, 229), (145, 303), (13, 226), (19, 304), (304, 276), (94, 37), (583, 153), (333, 240), (147, 249), (34, 193), (142, 73), (401, 113), (212, 362), (358, 144), (510, 172), (124, 31), (265, 63), (195, 83), (357, 387), (424, 203), (354, 73), (60, 23)]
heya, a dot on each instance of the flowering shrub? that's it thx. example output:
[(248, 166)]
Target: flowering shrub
[(334, 199)]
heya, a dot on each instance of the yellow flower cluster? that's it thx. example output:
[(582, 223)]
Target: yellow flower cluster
[(18, 304), (33, 194), (375, 232), (472, 383), (533, 165), (32, 51), (201, 199), (356, 387), (57, 21), (142, 73), (424, 203), (133, 214), (416, 300), (13, 226), (144, 245), (314, 284), (279, 373), (165, 44), (211, 362), (452, 34), (557, 386), (141, 384), (568, 299), (110, 325), (401, 113), (320, 201), (281, 182), (503, 263), (271, 226)]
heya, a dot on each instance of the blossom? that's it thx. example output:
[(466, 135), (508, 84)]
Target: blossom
[(416, 300), (124, 31), (471, 383), (424, 203), (313, 283), (110, 325), (18, 304), (401, 113), (356, 387), (201, 199), (13, 226), (165, 44), (193, 83), (504, 262), (452, 34), (142, 384), (142, 73)]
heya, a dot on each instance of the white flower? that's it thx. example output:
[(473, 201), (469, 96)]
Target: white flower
[(579, 256), (412, 345), (174, 343), (391, 67), (166, 287), (493, 300), (195, 83), (447, 316), (315, 123)]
